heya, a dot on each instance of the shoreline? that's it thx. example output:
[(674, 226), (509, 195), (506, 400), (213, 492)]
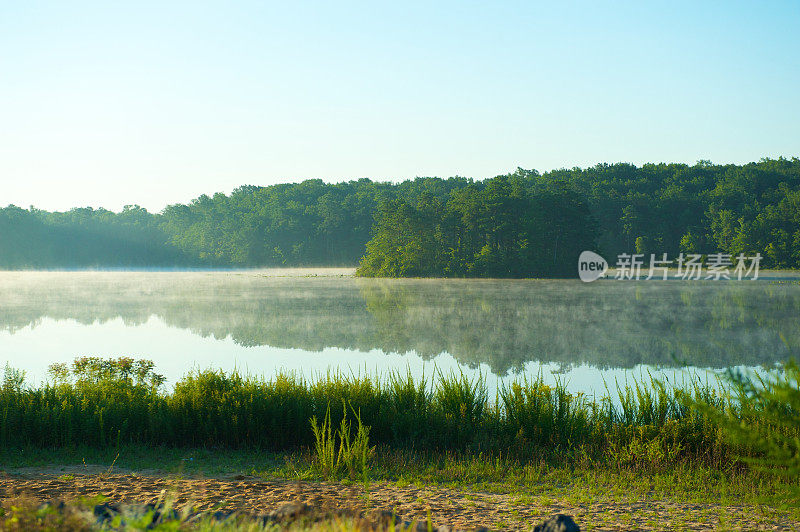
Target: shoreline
[(456, 492)]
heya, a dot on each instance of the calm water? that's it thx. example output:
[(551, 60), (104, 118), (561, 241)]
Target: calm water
[(311, 321)]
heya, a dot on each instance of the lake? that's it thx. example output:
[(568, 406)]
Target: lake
[(315, 320)]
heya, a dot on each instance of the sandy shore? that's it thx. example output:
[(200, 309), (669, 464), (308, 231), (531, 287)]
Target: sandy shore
[(456, 508)]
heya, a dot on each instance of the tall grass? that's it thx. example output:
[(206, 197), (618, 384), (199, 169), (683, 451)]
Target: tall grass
[(354, 452), (106, 403), (547, 416)]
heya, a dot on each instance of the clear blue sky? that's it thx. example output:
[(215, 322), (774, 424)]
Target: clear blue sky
[(103, 103)]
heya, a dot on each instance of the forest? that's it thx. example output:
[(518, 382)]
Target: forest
[(522, 224)]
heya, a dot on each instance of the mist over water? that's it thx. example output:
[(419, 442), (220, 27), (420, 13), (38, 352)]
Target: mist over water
[(312, 321)]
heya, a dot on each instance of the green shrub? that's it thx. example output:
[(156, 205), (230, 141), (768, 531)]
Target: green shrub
[(762, 422)]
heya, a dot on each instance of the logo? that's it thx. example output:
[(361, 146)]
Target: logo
[(691, 266), (591, 266)]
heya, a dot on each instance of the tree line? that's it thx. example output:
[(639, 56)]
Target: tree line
[(515, 225)]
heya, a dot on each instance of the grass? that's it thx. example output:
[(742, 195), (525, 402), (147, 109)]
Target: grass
[(25, 514), (108, 404), (354, 452), (551, 479), (535, 440), (682, 491)]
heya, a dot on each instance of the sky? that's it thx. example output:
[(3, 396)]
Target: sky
[(153, 103)]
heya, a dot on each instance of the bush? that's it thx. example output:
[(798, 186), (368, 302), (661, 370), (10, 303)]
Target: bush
[(764, 426)]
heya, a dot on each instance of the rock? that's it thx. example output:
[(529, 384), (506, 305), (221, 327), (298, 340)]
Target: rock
[(221, 515), (290, 511), (384, 518), (52, 506), (105, 512), (194, 517), (160, 513), (422, 526), (558, 523)]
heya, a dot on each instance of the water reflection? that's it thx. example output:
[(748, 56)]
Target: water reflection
[(500, 324)]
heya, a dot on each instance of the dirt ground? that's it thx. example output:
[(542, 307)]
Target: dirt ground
[(459, 509)]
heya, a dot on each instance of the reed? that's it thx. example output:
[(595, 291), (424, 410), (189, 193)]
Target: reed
[(109, 403), (354, 452)]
